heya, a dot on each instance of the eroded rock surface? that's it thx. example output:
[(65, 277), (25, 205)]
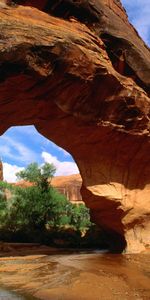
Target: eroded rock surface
[(79, 72), (1, 171), (69, 186)]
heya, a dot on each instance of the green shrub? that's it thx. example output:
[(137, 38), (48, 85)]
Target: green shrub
[(39, 209)]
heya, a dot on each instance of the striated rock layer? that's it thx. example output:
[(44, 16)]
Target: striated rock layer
[(1, 171), (69, 186), (79, 72)]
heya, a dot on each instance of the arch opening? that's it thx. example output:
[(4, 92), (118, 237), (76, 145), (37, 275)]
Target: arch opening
[(22, 145), (20, 140)]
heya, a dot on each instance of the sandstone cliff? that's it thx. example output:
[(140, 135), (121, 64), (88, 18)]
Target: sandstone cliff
[(69, 186), (1, 171), (79, 72)]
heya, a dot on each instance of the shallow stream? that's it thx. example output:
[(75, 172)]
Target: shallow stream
[(75, 276), (6, 294)]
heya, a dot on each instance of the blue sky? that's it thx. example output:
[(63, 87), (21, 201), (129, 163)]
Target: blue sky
[(20, 146), (139, 15)]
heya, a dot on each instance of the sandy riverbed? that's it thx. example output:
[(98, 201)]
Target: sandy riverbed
[(52, 274)]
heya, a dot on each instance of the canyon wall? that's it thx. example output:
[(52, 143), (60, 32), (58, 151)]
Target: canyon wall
[(79, 72), (69, 186), (1, 171)]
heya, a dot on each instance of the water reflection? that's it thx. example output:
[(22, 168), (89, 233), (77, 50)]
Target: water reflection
[(76, 275), (10, 295)]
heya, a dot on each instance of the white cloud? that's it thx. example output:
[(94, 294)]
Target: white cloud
[(29, 132), (63, 168), (9, 172), (15, 150), (139, 15)]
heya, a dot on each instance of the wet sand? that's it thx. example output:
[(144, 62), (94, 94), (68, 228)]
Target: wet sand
[(52, 274)]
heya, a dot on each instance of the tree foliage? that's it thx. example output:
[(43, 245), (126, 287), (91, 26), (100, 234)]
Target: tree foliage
[(40, 176), (39, 206), (3, 205), (80, 217)]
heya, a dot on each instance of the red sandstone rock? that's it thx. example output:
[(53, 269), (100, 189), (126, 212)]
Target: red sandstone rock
[(84, 83), (1, 171), (69, 186)]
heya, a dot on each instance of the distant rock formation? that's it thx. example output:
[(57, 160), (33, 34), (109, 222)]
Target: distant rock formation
[(69, 186), (1, 171)]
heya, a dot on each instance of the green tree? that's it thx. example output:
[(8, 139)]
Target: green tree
[(4, 205), (34, 208), (39, 206), (30, 208), (40, 176), (80, 217), (59, 214)]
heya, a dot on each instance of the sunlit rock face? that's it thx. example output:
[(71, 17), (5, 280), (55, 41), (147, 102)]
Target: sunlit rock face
[(1, 171), (69, 186), (79, 72)]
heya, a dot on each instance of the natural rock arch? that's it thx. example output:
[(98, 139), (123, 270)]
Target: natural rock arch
[(84, 86)]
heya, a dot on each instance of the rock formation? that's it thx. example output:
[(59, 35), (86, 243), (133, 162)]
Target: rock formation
[(69, 186), (1, 171), (79, 72)]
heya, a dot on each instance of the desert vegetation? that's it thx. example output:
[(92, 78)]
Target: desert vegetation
[(39, 213)]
